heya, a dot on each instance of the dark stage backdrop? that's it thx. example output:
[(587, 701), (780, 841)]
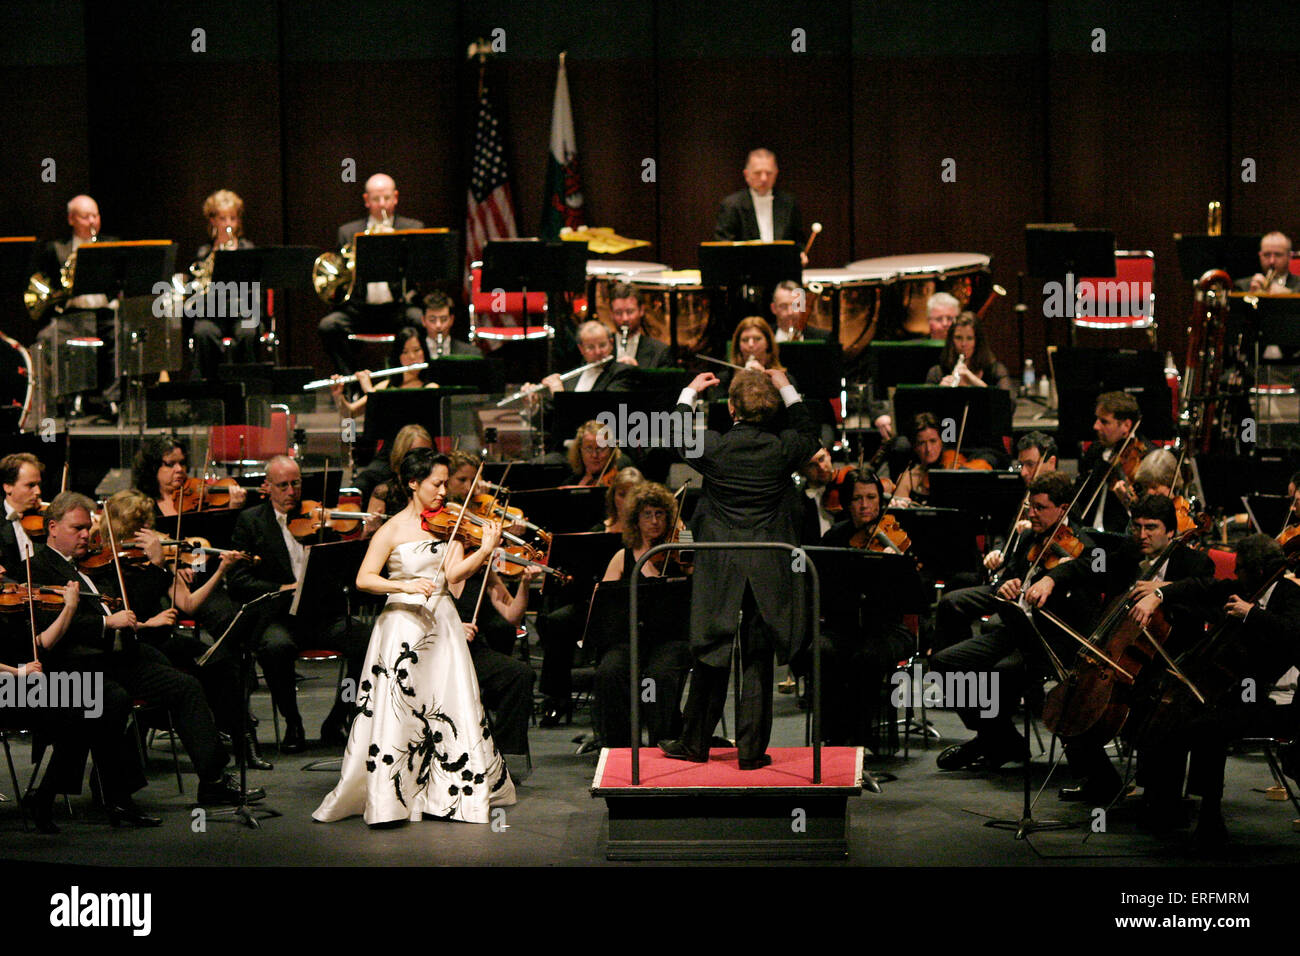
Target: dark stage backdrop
[(862, 101)]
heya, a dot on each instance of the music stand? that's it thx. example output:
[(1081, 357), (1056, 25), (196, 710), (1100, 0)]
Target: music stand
[(327, 567), (819, 367), (467, 371), (575, 409), (1084, 374), (988, 420), (17, 263), (525, 476), (123, 268), (410, 256), (732, 266), (584, 556), (943, 539), (388, 409), (1267, 513), (664, 606), (563, 510), (1197, 254), (555, 267), (254, 610), (993, 495), (287, 268), (890, 364), (1055, 253)]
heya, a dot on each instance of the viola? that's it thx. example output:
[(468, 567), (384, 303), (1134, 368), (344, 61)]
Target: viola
[(885, 535)]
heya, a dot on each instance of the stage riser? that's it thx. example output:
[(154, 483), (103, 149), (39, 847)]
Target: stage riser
[(664, 825)]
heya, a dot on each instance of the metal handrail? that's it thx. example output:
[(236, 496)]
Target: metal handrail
[(795, 551)]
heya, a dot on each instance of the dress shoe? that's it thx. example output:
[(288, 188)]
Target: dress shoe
[(758, 763), (720, 743), (128, 814), (787, 686), (995, 754), (42, 811), (553, 713), (295, 739), (961, 756), (226, 791), (676, 750), (253, 758)]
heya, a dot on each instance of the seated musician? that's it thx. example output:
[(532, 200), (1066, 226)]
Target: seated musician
[(913, 485), (264, 531), (967, 359), (102, 639), (1036, 453), (1107, 492), (1154, 527), (595, 344), (375, 480), (790, 312), (20, 476), (594, 458), (665, 658), (379, 307), (1007, 643), (90, 315), (941, 310), (632, 345), (813, 517), (224, 211), (437, 321), (861, 646), (1264, 630), (160, 471), (618, 500), (408, 349), (155, 592), (72, 732), (1275, 275)]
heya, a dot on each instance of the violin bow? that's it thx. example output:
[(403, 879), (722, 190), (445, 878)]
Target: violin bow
[(961, 433), (203, 481), (31, 605), (460, 517), (117, 564)]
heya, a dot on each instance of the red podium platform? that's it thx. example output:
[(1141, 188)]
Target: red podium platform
[(716, 811)]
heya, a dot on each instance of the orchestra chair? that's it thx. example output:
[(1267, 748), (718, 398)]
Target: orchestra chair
[(1225, 563), (1270, 747), (513, 318), (141, 708), (242, 446), (1131, 266), (19, 792)]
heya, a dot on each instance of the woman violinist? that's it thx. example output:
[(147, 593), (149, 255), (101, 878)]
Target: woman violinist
[(618, 501), (160, 471), (594, 457), (665, 658), (967, 359)]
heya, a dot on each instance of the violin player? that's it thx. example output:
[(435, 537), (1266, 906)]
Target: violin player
[(1007, 641), (1116, 418), (20, 475)]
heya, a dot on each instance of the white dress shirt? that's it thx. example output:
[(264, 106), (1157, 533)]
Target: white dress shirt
[(763, 212), (297, 553)]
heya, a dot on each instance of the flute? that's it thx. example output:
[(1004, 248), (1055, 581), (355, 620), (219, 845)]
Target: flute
[(382, 373), (572, 373)]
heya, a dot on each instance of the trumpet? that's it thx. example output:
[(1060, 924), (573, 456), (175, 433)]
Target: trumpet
[(41, 294), (333, 274)]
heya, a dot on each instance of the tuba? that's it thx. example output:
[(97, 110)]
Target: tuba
[(42, 295), (333, 274)]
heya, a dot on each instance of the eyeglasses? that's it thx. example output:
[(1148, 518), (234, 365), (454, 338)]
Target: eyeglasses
[(285, 485)]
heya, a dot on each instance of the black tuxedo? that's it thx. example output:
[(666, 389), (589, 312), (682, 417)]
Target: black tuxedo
[(10, 559), (651, 353), (281, 636), (1094, 468), (389, 317), (745, 497), (737, 220), (139, 670), (451, 346)]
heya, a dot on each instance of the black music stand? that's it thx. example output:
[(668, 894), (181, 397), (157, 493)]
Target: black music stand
[(890, 364), (1083, 374), (526, 476), (664, 605), (287, 268), (1268, 513), (584, 556), (123, 268), (17, 263), (575, 409), (253, 611), (388, 409), (1057, 253), (563, 510), (327, 567), (411, 256), (988, 420), (993, 495), (467, 371), (555, 267), (733, 266), (1197, 254), (943, 539), (819, 367)]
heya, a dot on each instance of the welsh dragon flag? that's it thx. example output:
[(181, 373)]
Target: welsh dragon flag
[(563, 204)]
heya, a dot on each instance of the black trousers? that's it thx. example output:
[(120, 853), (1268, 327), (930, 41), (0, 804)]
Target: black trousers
[(559, 632), (145, 674), (335, 328), (995, 652), (506, 686), (277, 652), (666, 666), (960, 609), (219, 678), (854, 670), (208, 335), (708, 693)]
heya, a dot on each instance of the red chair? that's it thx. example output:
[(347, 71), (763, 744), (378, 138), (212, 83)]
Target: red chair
[(251, 444), (1134, 280), (1225, 564), (505, 317)]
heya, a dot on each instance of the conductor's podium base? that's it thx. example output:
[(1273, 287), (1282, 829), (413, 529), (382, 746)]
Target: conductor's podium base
[(716, 811)]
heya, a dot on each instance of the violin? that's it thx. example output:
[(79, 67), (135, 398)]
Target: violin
[(485, 505), (515, 553), (14, 597), (1061, 545), (885, 535), (1126, 464), (33, 520), (195, 495), (953, 459), (345, 519)]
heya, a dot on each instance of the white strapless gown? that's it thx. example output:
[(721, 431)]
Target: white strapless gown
[(420, 743)]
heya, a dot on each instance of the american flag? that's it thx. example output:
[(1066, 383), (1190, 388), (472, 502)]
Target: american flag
[(491, 213)]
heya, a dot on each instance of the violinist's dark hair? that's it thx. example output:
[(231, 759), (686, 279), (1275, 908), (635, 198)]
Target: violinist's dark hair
[(1120, 404), (1156, 508), (1055, 485), (1257, 558), (855, 477), (645, 495), (1044, 442), (923, 421), (144, 469), (417, 466)]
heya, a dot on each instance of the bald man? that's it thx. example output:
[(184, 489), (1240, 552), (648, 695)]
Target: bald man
[(760, 211), (1274, 259), (378, 307), (86, 315)]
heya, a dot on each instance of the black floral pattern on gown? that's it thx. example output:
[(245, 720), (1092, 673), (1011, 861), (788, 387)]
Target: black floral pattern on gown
[(420, 745)]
